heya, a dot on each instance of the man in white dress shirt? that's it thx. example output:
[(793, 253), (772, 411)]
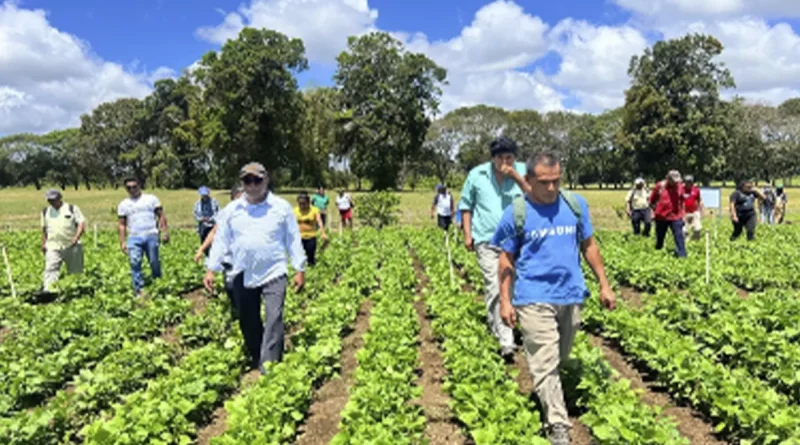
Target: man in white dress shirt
[(258, 230)]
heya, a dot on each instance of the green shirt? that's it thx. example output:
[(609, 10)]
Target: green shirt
[(320, 201), (486, 199)]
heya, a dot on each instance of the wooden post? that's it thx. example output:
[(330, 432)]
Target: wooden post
[(8, 272)]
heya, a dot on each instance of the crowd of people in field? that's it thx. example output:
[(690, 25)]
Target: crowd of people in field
[(676, 205), (527, 233)]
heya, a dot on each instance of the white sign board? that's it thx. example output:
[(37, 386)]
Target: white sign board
[(711, 197)]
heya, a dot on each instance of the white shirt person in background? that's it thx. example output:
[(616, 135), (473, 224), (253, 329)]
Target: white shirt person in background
[(140, 216), (258, 230), (345, 205), (444, 207)]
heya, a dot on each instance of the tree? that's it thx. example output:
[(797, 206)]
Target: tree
[(253, 110), (30, 160), (529, 130), (389, 94), (471, 129), (320, 126), (674, 117), (65, 149)]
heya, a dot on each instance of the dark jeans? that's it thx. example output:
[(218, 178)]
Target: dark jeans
[(204, 230), (639, 217), (262, 338), (310, 246), (746, 222), (324, 217), (444, 221), (230, 286), (677, 235)]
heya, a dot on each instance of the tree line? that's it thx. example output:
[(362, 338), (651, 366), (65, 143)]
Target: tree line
[(379, 126)]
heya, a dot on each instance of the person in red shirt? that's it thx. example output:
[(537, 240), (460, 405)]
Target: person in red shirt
[(693, 208), (667, 203)]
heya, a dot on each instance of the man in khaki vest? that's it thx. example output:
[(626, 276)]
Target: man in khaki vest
[(62, 227), (637, 206)]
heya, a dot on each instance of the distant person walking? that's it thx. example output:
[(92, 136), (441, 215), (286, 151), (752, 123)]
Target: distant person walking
[(743, 210), (542, 236), (228, 273), (488, 191), (768, 205), (637, 206), (345, 204), (62, 227), (693, 209), (320, 200), (443, 207), (205, 213), (667, 202), (309, 219), (140, 218), (258, 230), (781, 200)]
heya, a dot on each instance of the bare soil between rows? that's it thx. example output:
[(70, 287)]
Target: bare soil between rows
[(322, 422)]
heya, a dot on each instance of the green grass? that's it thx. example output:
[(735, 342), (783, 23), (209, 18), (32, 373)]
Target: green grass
[(21, 207)]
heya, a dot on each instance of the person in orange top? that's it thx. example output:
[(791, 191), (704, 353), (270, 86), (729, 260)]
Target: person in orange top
[(309, 218)]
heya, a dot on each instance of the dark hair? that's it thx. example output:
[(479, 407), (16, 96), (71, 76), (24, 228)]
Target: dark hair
[(546, 158), (503, 145), (744, 182), (303, 196), (131, 179)]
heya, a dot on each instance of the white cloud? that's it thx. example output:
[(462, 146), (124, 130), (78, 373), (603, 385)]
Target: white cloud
[(711, 8), (508, 89), (501, 37), (323, 25), (764, 60), (48, 78), (594, 61)]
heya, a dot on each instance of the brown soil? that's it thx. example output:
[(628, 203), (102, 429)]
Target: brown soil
[(170, 335), (329, 400), (691, 424), (579, 433), (632, 296), (742, 293), (199, 301), (4, 333), (217, 425)]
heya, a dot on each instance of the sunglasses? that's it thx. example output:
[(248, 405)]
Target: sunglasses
[(131, 187), (252, 180)]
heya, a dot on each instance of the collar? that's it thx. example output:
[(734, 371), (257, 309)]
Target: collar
[(242, 201)]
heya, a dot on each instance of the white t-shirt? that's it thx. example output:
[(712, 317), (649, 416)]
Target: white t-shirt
[(141, 214), (343, 202), (444, 204)]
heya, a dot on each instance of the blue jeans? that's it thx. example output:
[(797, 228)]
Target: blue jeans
[(677, 234), (767, 213), (147, 245)]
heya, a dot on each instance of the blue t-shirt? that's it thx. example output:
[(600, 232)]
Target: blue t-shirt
[(549, 265)]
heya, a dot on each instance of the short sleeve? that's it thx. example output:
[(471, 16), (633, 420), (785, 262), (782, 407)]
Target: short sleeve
[(629, 196), (468, 194), (41, 219), (122, 210), (78, 215), (156, 202), (733, 197), (586, 219), (505, 237)]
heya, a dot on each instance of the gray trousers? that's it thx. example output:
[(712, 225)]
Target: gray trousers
[(488, 260), (263, 338)]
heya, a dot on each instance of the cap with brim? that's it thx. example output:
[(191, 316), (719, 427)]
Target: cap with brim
[(639, 181), (52, 194), (203, 191), (675, 175), (253, 169)]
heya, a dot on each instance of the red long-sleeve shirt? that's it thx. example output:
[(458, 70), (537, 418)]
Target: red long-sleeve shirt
[(668, 201)]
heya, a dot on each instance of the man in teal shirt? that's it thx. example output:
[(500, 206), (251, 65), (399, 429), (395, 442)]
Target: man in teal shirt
[(320, 200), (489, 189)]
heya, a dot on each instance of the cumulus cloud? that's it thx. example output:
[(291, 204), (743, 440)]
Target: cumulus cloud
[(711, 8), (323, 25), (594, 61), (48, 78)]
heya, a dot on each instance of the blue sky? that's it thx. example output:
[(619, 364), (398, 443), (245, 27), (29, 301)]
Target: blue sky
[(65, 57)]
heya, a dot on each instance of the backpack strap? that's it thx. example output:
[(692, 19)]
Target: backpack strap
[(44, 216), (572, 202), (519, 221)]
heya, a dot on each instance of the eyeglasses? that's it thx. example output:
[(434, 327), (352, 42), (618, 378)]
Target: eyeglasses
[(252, 180)]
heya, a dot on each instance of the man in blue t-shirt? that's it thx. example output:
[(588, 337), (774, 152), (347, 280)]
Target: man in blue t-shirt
[(549, 288)]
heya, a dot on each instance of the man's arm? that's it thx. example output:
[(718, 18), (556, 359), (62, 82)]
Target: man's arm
[(81, 225), (321, 225), (44, 239), (628, 199), (591, 252), (123, 226), (162, 219), (466, 219), (511, 172), (506, 277)]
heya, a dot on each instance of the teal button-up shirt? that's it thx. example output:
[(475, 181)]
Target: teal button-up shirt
[(487, 199)]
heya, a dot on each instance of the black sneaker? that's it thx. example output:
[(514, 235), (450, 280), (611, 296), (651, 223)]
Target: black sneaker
[(558, 434)]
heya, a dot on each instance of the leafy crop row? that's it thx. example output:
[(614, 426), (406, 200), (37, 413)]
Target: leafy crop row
[(269, 411), (379, 408), (484, 398)]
